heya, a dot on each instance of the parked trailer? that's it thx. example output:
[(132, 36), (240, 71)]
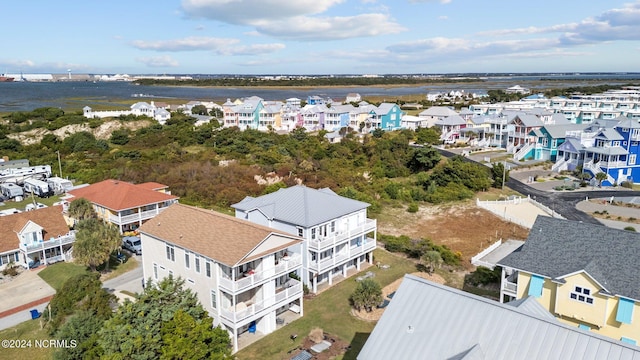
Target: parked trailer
[(59, 185), (11, 190), (37, 187), (19, 175)]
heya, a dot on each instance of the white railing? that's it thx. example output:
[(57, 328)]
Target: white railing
[(342, 236), (139, 216), (343, 256), (54, 259), (595, 168), (560, 165), (286, 295), (47, 244), (259, 277), (520, 154), (509, 287), (494, 206), (475, 260)]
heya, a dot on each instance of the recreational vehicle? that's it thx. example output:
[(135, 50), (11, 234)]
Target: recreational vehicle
[(59, 185), (11, 190), (37, 187)]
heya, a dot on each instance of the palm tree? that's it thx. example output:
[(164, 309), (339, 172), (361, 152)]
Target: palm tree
[(81, 209), (367, 294), (601, 176), (95, 241)]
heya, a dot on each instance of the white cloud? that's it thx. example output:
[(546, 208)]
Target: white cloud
[(158, 61), (256, 49), (443, 17), (345, 27), (246, 12), (297, 20), (186, 44)]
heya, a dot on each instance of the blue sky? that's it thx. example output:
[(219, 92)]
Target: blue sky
[(319, 36)]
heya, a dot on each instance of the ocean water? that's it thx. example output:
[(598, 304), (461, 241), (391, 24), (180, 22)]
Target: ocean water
[(26, 96)]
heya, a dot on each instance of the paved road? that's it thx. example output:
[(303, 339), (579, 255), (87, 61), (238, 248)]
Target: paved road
[(563, 203), (130, 281)]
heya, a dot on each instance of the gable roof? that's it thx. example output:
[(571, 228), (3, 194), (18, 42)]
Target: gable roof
[(49, 218), (556, 248), (301, 205), (441, 111), (528, 120), (425, 320), (120, 195), (220, 237), (559, 131)]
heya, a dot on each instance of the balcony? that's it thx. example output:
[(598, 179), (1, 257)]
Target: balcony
[(243, 310), (285, 266), (509, 288), (323, 242), (135, 217), (341, 257), (48, 244)]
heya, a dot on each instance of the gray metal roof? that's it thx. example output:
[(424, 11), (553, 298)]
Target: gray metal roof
[(609, 150), (441, 111), (302, 206), (559, 131), (572, 145), (628, 123), (425, 320), (556, 248)]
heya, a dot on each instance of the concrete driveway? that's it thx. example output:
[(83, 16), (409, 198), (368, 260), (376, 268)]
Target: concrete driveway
[(23, 289)]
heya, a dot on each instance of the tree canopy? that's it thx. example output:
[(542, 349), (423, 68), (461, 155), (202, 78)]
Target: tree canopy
[(165, 321)]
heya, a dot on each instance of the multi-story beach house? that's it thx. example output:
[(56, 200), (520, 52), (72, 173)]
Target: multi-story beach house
[(124, 204), (244, 274), (38, 237), (338, 236), (386, 116), (584, 274)]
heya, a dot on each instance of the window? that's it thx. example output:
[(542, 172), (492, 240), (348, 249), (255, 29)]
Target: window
[(313, 234), (190, 281), (171, 253), (207, 267), (632, 159), (625, 310), (155, 271), (333, 226), (300, 232), (197, 264), (581, 294), (535, 286), (186, 260), (170, 273), (213, 299)]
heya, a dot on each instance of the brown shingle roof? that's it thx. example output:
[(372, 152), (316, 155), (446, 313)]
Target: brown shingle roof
[(221, 237), (120, 195), (49, 218)]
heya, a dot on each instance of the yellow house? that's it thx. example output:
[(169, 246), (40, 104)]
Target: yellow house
[(584, 274)]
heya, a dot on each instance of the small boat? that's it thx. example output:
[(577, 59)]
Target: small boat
[(6, 78)]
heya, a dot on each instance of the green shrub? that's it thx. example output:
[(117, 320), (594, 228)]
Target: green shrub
[(630, 228), (413, 208), (484, 276), (627, 184)]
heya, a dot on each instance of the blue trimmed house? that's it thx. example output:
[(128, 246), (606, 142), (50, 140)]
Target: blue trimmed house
[(548, 139), (386, 116)]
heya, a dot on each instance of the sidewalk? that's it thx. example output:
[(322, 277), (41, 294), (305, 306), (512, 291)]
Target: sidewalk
[(614, 211)]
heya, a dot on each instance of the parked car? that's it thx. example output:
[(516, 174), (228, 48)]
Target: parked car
[(34, 206), (133, 244)]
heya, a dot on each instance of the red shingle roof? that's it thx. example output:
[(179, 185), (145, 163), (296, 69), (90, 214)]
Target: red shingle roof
[(151, 185), (120, 195), (49, 218)]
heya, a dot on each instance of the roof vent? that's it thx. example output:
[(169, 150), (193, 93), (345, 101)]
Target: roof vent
[(410, 329)]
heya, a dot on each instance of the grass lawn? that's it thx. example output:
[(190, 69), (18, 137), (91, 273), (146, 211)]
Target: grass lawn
[(331, 312), (28, 200), (117, 269), (26, 331), (56, 274)]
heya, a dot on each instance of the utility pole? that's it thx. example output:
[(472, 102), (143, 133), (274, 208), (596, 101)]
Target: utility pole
[(504, 172), (60, 164)]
